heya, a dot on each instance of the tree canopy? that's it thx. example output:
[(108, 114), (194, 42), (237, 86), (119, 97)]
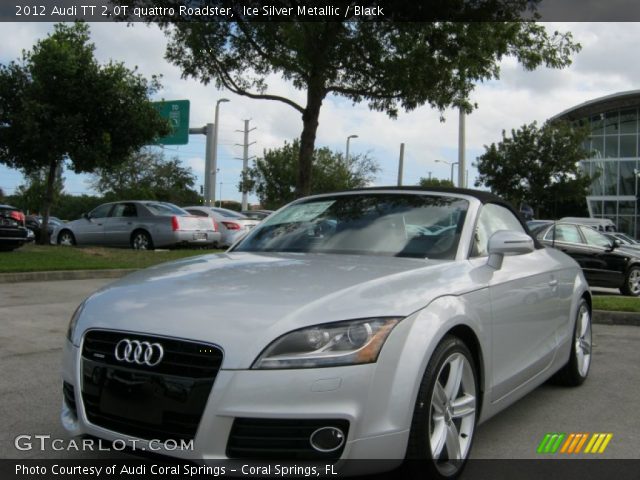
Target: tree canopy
[(148, 175), (537, 166), (390, 65), (434, 182), (273, 176), (58, 105)]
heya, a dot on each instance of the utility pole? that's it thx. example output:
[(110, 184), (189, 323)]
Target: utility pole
[(208, 161), (245, 161), (401, 165), (461, 147)]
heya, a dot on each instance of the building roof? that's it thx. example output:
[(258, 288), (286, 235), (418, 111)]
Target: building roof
[(615, 101)]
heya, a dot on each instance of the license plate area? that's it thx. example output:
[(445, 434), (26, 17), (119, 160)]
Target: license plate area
[(199, 236)]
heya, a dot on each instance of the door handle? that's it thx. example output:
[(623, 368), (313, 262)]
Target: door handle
[(553, 283)]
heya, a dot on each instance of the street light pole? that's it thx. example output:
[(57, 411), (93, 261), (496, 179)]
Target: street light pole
[(452, 165), (214, 153), (346, 157)]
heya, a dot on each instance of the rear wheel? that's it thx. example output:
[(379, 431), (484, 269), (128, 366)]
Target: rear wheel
[(66, 238), (141, 240), (445, 414), (575, 372), (632, 282)]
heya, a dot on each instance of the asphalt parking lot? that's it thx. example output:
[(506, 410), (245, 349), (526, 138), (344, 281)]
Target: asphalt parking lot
[(34, 318)]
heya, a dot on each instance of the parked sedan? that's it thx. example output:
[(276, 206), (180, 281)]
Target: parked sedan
[(605, 262), (232, 225), (34, 223), (365, 338), (257, 214), (142, 225), (13, 233)]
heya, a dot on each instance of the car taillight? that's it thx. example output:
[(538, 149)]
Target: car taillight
[(175, 224), (17, 216), (231, 226), (215, 225)]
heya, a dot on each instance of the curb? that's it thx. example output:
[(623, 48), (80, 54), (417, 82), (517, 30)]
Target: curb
[(63, 275), (605, 317)]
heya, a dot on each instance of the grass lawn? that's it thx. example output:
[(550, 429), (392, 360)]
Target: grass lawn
[(616, 304), (35, 258)]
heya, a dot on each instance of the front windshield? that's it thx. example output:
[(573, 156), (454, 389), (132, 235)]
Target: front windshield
[(404, 225)]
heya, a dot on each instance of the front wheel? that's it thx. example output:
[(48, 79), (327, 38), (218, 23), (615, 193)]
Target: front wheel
[(445, 414), (632, 283), (141, 240), (66, 238)]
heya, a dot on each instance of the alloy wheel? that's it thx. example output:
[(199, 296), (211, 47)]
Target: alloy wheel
[(633, 282), (452, 414), (141, 241), (583, 340)]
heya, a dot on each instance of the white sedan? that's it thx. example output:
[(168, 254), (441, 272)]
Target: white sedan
[(374, 324), (232, 225)]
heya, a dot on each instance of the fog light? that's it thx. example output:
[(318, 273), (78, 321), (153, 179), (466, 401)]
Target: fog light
[(327, 439)]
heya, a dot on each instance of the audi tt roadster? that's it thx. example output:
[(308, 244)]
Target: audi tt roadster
[(381, 323)]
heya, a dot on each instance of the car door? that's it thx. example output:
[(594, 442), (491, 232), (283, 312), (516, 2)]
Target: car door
[(120, 224), (568, 239), (528, 306), (90, 229), (607, 266)]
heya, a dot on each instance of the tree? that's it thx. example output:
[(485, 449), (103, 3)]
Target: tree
[(148, 175), (273, 176), (434, 182), (34, 189), (537, 166), (58, 104), (388, 64)]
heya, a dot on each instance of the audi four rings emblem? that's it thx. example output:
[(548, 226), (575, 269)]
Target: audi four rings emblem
[(142, 353)]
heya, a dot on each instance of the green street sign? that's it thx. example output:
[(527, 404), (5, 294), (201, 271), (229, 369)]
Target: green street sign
[(177, 112)]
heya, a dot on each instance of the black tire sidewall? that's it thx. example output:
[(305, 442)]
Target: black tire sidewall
[(419, 450)]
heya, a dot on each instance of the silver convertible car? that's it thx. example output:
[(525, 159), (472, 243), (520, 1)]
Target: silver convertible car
[(373, 324), (142, 225)]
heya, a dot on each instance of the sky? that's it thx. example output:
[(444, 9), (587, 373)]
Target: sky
[(606, 65)]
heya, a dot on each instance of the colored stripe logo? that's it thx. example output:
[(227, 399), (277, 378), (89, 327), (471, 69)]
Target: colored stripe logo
[(573, 443)]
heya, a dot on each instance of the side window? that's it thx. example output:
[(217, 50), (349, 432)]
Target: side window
[(595, 238), (564, 233), (101, 212), (491, 219), (124, 210)]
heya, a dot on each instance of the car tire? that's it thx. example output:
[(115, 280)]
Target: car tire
[(576, 370), (141, 240), (632, 282), (445, 414), (66, 238)]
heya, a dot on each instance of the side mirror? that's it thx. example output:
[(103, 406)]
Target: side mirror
[(507, 242), (86, 216), (615, 244)]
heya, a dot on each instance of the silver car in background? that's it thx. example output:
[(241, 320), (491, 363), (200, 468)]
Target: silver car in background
[(372, 324), (142, 225), (232, 225)]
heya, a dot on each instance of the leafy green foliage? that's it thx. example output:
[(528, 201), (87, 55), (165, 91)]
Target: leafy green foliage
[(273, 176), (58, 104), (538, 166), (434, 182), (389, 65), (148, 175)]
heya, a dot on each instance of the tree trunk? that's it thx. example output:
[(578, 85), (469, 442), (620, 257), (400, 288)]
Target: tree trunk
[(315, 96), (48, 201)]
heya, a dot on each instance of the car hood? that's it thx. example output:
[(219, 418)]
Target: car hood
[(243, 301)]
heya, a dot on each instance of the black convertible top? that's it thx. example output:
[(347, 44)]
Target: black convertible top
[(482, 195)]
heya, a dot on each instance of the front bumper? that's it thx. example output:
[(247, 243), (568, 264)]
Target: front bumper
[(346, 393)]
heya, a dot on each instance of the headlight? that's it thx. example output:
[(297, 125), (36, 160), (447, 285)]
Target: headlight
[(74, 321), (328, 345)]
